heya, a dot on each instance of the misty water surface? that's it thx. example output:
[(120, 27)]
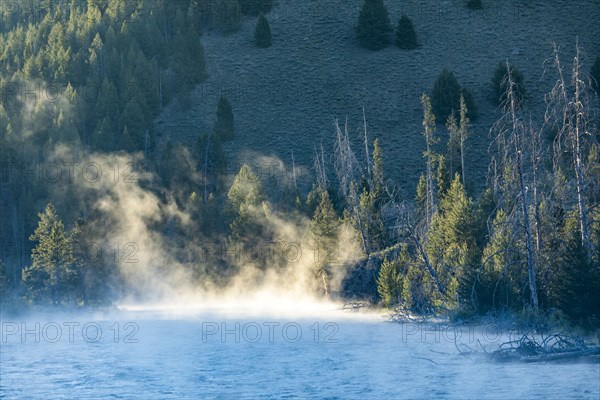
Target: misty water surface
[(142, 354)]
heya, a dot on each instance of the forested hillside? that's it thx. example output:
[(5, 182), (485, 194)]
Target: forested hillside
[(433, 157)]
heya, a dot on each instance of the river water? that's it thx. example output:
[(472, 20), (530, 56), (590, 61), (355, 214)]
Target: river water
[(142, 354)]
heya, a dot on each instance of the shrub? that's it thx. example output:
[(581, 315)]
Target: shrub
[(406, 37), (499, 84), (374, 26), (262, 33)]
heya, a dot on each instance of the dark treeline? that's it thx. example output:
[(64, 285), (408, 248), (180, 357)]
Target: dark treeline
[(529, 242)]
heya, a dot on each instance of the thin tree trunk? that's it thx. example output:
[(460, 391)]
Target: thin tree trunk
[(429, 208), (578, 163), (516, 128), (529, 243), (366, 144), (462, 158)]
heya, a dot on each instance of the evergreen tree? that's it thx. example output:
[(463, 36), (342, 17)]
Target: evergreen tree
[(324, 230), (103, 138), (452, 244), (262, 33), (389, 283), (430, 156), (442, 178), (224, 127), (421, 199), (374, 26), (574, 282), (248, 231), (453, 147), (371, 202), (210, 161), (52, 277), (406, 37), (125, 141), (503, 269), (445, 96)]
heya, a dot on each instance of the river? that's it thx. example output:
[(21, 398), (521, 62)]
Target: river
[(144, 354)]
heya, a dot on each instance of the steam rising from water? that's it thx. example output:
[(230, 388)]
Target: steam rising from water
[(131, 213)]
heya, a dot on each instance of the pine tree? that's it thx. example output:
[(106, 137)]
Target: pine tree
[(504, 268), (574, 282), (224, 127), (442, 178), (421, 199), (389, 283), (103, 138), (452, 244), (52, 277), (133, 118), (325, 224), (374, 26), (463, 132), (262, 33), (371, 202), (324, 230), (453, 147), (406, 37), (247, 201), (445, 96), (125, 141), (430, 140)]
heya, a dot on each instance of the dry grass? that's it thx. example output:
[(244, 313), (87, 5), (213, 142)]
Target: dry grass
[(286, 97)]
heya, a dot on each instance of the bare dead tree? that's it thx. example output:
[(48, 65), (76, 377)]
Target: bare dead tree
[(509, 132), (347, 169), (569, 111), (320, 168), (402, 220), (463, 134), (428, 131), (536, 157), (294, 171), (366, 140)]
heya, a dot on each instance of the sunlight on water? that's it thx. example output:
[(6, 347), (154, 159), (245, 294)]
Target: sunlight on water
[(258, 305)]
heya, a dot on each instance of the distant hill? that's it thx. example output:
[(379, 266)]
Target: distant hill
[(286, 97)]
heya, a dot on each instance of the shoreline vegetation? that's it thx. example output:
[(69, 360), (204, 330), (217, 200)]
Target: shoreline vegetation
[(526, 244)]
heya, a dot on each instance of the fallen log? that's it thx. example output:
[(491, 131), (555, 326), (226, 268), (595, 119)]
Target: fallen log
[(532, 348)]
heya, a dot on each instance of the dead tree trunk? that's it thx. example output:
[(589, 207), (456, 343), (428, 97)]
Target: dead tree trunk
[(517, 129), (428, 130), (571, 114)]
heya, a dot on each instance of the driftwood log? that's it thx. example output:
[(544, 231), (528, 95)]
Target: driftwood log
[(532, 348)]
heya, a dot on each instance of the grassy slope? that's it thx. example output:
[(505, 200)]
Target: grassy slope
[(286, 97)]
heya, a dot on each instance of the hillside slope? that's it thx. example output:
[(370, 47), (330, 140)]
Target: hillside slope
[(286, 97)]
